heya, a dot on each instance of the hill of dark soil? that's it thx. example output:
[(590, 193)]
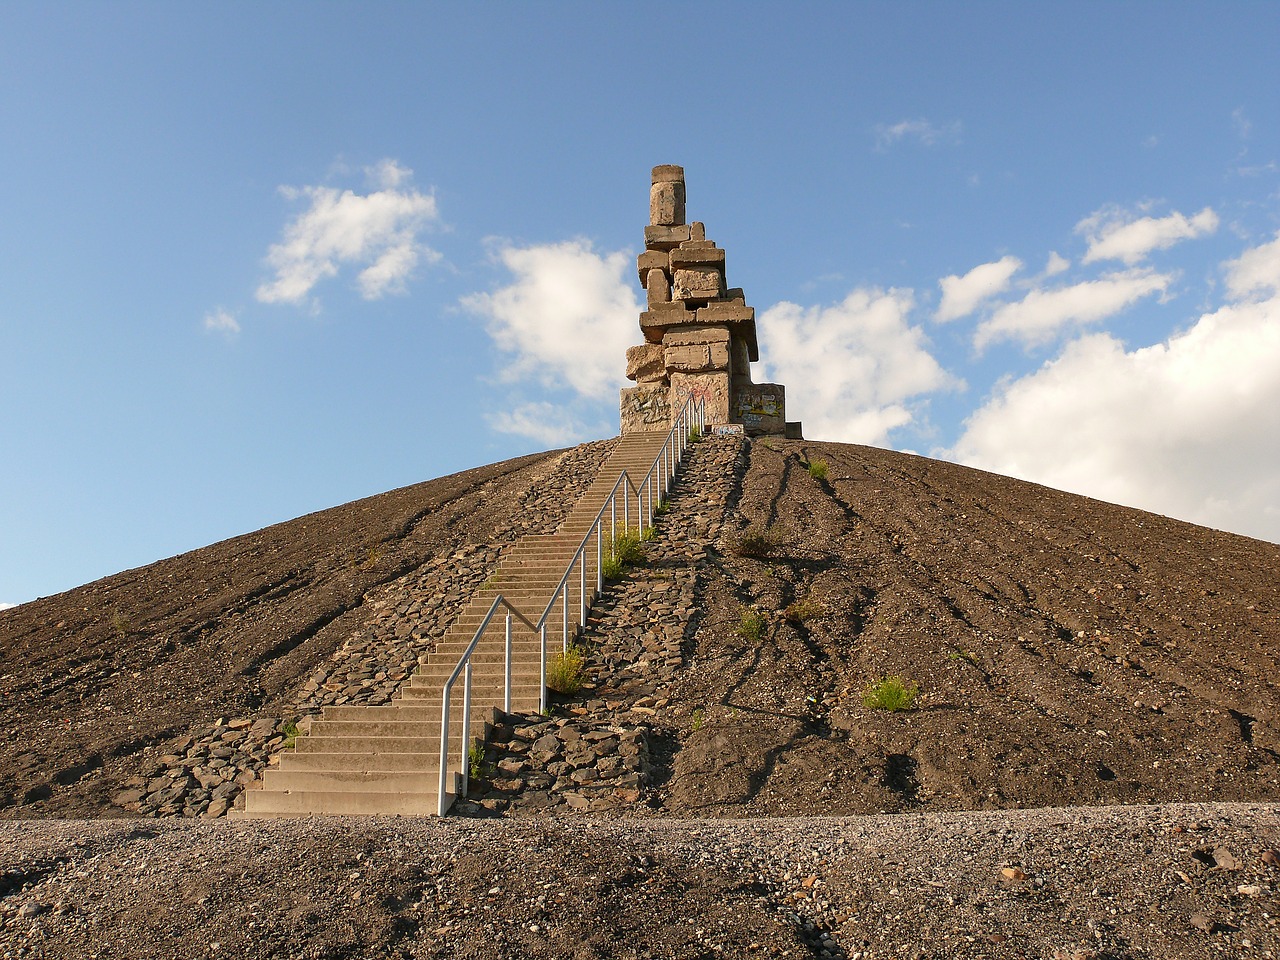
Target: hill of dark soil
[(1067, 651), (90, 677)]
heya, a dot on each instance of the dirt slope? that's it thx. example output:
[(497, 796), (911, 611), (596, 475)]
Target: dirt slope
[(91, 676), (1067, 650)]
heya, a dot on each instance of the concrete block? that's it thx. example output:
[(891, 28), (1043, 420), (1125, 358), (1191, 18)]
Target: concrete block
[(683, 336), (697, 230), (711, 388), (683, 256), (735, 293), (794, 430), (697, 284), (740, 361), (657, 287), (645, 409), (691, 358), (726, 312), (660, 317), (665, 238), (650, 260), (645, 363), (761, 409), (667, 173), (697, 245), (666, 204)]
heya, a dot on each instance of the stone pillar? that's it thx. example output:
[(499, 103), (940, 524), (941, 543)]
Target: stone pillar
[(700, 335)]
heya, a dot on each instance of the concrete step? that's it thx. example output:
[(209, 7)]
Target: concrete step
[(372, 781), (304, 803), (402, 762)]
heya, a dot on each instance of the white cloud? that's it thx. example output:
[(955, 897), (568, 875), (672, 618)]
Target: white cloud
[(1114, 235), (1257, 271), (1056, 265), (7, 606), (922, 131), (568, 316), (547, 423), (221, 321), (1185, 427), (854, 371), (1039, 316), (377, 232), (961, 295)]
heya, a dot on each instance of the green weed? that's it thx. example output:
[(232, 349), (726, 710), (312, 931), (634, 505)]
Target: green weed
[(120, 624), (622, 549), (567, 671), (699, 717), (476, 767), (291, 734), (751, 625), (818, 469), (890, 693), (758, 541), (803, 611)]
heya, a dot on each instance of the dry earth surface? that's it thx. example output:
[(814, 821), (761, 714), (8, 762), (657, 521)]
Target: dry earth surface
[(1073, 656)]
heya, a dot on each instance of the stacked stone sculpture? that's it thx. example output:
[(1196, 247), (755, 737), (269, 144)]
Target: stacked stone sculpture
[(700, 335)]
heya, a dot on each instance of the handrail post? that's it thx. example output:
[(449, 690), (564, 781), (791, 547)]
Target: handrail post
[(582, 592), (564, 626), (441, 802), (599, 557), (542, 686), (506, 686), (466, 728)]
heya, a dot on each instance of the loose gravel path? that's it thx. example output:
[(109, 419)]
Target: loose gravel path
[(1195, 880)]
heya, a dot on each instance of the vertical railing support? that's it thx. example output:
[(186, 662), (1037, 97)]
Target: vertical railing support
[(506, 686), (542, 669), (466, 728)]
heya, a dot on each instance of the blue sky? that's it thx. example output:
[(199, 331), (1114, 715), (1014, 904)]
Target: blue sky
[(261, 259)]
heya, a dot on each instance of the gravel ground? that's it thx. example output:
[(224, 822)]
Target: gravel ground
[(1191, 880)]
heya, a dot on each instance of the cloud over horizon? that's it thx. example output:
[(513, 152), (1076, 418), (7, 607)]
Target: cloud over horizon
[(962, 295), (858, 369), (375, 233), (1184, 427)]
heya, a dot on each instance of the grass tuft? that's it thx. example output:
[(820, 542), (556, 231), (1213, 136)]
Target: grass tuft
[(890, 693), (758, 541), (567, 671), (803, 611), (751, 625), (818, 469)]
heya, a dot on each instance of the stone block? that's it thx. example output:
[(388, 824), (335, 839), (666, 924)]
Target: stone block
[(794, 430), (685, 256), (697, 230), (660, 317), (726, 312), (645, 409), (665, 238), (711, 388), (735, 293), (650, 260), (667, 173), (760, 408), (682, 336), (697, 358), (740, 361), (666, 204), (697, 245), (697, 284), (645, 363), (657, 287)]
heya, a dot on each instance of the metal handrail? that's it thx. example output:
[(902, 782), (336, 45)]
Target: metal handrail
[(668, 459), (464, 667)]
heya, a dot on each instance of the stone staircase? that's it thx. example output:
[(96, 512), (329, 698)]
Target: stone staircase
[(386, 759)]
